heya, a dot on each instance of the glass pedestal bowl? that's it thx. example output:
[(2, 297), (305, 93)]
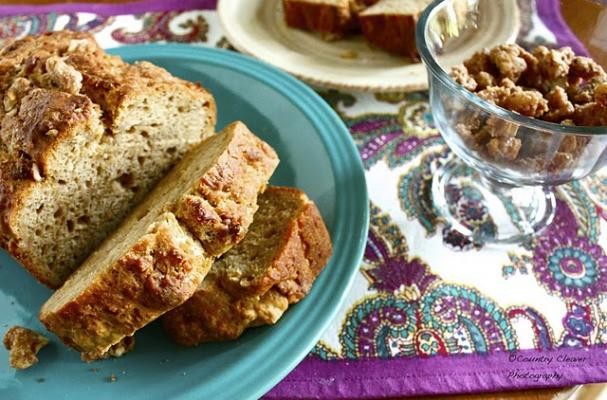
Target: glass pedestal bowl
[(514, 190)]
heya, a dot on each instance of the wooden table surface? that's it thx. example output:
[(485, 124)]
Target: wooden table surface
[(580, 14)]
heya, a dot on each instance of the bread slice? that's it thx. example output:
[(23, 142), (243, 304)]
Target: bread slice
[(332, 19), (159, 255), (253, 284), (390, 25), (84, 136)]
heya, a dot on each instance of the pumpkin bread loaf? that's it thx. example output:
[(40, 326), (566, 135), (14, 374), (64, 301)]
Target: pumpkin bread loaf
[(84, 137)]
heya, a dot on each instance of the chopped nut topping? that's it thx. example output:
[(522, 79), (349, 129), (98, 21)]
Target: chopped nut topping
[(62, 75)]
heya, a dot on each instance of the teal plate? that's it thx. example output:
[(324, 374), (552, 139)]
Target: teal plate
[(317, 155)]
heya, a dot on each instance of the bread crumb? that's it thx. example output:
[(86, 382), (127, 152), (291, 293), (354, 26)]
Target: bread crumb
[(349, 55), (112, 378), (23, 344)]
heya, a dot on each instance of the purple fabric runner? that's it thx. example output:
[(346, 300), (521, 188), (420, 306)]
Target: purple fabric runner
[(366, 379), (108, 9)]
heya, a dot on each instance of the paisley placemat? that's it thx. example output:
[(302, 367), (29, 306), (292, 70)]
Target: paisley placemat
[(430, 312)]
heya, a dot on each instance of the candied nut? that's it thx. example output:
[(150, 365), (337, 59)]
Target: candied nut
[(569, 144), (569, 151), (560, 161), (583, 91), (494, 94), (460, 75), (499, 128), (585, 68), (553, 64), (508, 61), (479, 62), (23, 345), (465, 132), (559, 105), (506, 149), (16, 92), (507, 83), (526, 102), (590, 114), (484, 80)]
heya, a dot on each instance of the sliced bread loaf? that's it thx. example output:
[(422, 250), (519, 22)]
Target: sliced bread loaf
[(253, 284), (83, 137), (390, 25), (159, 255), (332, 19)]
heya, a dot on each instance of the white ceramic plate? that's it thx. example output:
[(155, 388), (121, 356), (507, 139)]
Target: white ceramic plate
[(257, 27)]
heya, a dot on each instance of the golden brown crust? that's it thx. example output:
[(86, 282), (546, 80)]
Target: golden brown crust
[(331, 21), (222, 308), (159, 272), (316, 245), (23, 345)]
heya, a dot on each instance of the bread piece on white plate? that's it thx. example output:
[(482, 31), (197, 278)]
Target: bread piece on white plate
[(390, 25), (332, 19)]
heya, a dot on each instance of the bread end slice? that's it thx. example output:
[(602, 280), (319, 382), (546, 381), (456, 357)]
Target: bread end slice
[(253, 284)]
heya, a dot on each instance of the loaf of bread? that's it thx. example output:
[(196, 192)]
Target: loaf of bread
[(253, 284), (159, 255), (83, 137), (390, 25), (332, 19)]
